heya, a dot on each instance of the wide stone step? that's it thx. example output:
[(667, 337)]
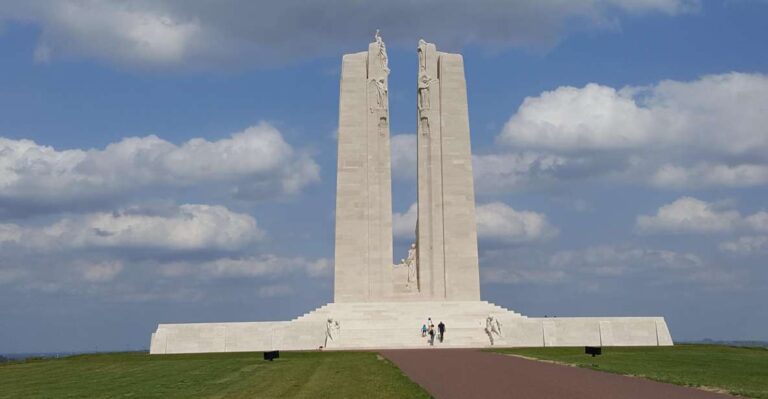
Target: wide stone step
[(414, 326), (401, 318), (397, 343)]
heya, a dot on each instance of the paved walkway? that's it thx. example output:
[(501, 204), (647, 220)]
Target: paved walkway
[(468, 373)]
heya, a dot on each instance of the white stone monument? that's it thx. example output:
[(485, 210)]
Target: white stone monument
[(381, 305)]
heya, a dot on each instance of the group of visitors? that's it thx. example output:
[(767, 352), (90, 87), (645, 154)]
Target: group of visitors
[(428, 329)]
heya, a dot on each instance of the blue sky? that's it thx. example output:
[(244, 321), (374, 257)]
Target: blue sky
[(175, 161)]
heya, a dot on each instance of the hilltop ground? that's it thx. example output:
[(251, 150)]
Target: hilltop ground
[(229, 375), (742, 371)]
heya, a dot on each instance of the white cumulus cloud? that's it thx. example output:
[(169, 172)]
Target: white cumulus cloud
[(101, 271), (515, 171), (706, 132), (249, 266), (404, 224), (718, 113), (495, 221), (256, 161), (746, 245), (123, 32), (758, 221), (711, 175), (570, 118), (188, 227), (691, 215), (403, 147), (498, 221), (593, 268), (612, 260)]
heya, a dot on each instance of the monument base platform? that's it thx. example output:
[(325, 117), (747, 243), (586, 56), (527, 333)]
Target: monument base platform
[(397, 325)]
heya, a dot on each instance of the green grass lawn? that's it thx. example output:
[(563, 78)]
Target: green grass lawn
[(741, 371), (231, 375)]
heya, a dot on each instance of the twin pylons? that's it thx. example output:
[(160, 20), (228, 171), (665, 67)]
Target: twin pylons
[(446, 261)]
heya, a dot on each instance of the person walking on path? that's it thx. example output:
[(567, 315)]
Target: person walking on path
[(431, 335), (423, 330), (441, 330)]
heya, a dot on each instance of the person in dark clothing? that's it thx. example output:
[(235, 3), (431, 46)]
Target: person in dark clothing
[(441, 330), (431, 335)]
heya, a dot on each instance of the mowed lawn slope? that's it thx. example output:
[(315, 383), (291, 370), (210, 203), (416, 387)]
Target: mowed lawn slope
[(231, 375), (741, 371)]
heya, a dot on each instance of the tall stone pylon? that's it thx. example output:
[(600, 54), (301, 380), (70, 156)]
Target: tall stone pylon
[(363, 253), (448, 267)]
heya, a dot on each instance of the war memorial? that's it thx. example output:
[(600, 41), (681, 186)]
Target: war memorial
[(379, 304)]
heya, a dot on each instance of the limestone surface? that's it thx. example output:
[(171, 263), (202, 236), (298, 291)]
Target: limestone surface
[(397, 325), (363, 254), (381, 305), (447, 231)]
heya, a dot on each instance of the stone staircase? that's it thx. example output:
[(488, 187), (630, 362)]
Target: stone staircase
[(398, 324)]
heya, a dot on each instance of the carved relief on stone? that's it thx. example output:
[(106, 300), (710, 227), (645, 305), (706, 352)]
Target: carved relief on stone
[(422, 56), (382, 126), (332, 329), (380, 87), (424, 122), (379, 106), (424, 80), (382, 52), (492, 327), (411, 262)]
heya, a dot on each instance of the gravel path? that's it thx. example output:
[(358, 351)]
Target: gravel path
[(468, 373)]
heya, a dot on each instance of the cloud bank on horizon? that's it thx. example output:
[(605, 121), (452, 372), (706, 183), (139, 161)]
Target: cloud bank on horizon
[(82, 221), (164, 33)]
